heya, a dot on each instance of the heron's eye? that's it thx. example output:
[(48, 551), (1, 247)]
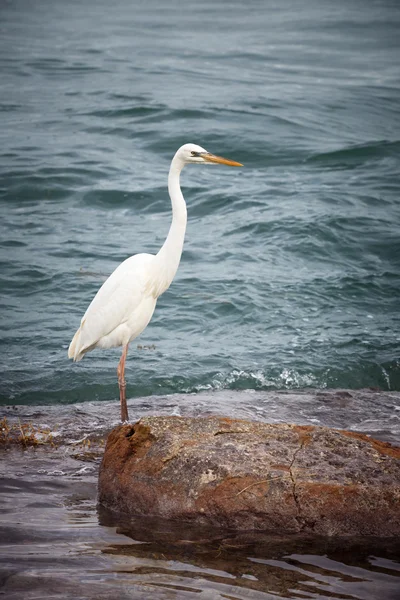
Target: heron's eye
[(193, 153)]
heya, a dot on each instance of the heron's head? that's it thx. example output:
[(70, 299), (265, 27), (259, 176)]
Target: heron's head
[(191, 153)]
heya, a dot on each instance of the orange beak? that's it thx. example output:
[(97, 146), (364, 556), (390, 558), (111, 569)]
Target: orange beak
[(218, 159)]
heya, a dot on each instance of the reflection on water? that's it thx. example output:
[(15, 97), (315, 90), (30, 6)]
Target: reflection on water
[(230, 565), (53, 543)]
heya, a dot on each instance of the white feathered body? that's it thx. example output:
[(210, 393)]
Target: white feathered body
[(123, 306)]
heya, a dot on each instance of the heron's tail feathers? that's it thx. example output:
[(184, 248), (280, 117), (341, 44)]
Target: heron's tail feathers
[(74, 347)]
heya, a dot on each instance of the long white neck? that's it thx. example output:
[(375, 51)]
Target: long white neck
[(169, 255)]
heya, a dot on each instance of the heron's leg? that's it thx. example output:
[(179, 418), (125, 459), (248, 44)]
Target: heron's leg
[(122, 384)]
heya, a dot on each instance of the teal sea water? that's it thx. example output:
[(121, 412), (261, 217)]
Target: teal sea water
[(290, 272)]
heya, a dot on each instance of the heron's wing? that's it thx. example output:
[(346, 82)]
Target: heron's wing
[(116, 300)]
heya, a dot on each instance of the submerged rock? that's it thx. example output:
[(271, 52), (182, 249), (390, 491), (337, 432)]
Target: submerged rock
[(246, 475)]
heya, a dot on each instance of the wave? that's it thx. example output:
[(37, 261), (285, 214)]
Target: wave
[(38, 387), (356, 154)]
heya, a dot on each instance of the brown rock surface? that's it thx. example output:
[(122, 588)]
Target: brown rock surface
[(245, 475)]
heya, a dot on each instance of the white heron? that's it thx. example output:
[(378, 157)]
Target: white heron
[(124, 305)]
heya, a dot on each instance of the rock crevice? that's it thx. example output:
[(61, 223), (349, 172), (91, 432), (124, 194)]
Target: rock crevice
[(293, 478)]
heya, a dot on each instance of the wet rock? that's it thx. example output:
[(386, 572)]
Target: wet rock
[(245, 475)]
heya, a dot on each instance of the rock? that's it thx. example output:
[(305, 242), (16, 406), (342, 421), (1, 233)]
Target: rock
[(245, 475)]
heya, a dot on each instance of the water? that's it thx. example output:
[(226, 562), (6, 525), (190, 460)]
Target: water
[(290, 272)]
